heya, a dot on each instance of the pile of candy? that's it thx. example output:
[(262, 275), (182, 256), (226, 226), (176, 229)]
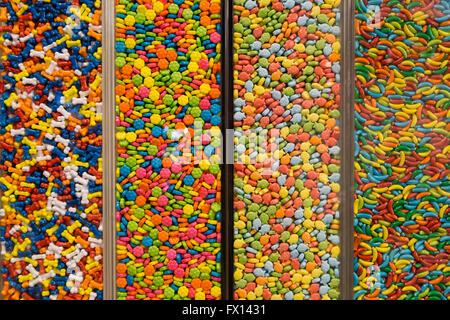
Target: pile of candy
[(402, 164), (168, 133), (51, 146), (286, 117)]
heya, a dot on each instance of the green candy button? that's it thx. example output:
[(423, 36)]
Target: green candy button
[(158, 281), (132, 226), (153, 251), (131, 162), (139, 213), (187, 14), (137, 80), (196, 173), (120, 62), (156, 191), (131, 270), (140, 18), (201, 31), (173, 8), (152, 150)]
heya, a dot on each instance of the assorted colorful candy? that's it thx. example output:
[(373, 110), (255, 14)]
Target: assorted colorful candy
[(286, 118), (169, 138), (168, 132), (402, 164), (50, 149)]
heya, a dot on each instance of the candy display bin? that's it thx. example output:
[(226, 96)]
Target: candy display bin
[(401, 150), (224, 150), (287, 129), (51, 140)]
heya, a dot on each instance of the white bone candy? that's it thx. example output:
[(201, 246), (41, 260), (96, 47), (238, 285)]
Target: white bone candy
[(34, 53)]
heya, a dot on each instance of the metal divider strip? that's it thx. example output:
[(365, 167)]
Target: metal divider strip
[(227, 258), (109, 151), (347, 148)]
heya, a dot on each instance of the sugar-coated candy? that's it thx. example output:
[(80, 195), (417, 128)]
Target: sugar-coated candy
[(168, 120), (51, 149), (402, 137), (286, 181)]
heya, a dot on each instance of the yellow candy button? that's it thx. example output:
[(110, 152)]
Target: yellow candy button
[(131, 136), (336, 46), (248, 189), (215, 291), (129, 21), (299, 296), (297, 278), (155, 118), (200, 296), (306, 279), (320, 225), (139, 63), (287, 63), (305, 146), (251, 296), (154, 95), (196, 56), (204, 164), (239, 224), (183, 291), (238, 243), (335, 187), (335, 252), (150, 15), (158, 6), (141, 8), (308, 212), (293, 239), (188, 209), (304, 193), (130, 43), (120, 136), (215, 131), (149, 82), (205, 88), (183, 100), (193, 66), (146, 71)]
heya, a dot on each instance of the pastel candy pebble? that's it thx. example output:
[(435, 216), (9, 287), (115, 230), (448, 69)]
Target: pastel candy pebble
[(286, 86)]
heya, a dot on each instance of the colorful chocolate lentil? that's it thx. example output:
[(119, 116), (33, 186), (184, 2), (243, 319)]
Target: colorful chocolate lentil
[(286, 101), (51, 145), (168, 176), (402, 196)]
